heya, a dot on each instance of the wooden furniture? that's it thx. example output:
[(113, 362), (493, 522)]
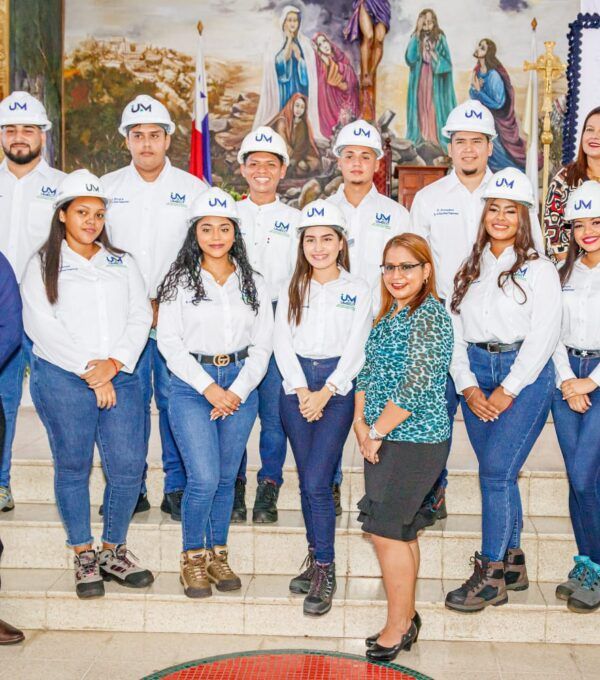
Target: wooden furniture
[(412, 178)]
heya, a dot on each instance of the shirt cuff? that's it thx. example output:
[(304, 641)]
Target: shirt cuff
[(564, 374), (595, 375), (240, 387), (343, 386), (464, 380), (512, 385)]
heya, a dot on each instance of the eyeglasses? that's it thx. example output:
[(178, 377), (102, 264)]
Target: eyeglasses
[(403, 267)]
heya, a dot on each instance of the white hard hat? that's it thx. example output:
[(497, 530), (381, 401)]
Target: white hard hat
[(20, 108), (322, 213), (214, 203), (470, 116), (358, 133), (79, 183), (511, 184), (584, 201), (145, 109), (263, 139)]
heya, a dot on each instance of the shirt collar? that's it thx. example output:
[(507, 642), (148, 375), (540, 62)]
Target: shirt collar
[(163, 173), (42, 168), (67, 252), (455, 182), (264, 206), (372, 194)]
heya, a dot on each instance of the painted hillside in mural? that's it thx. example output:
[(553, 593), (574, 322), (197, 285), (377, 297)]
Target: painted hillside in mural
[(299, 68)]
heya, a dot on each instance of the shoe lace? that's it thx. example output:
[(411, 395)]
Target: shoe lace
[(322, 582), (125, 555), (86, 566), (592, 577), (309, 563), (223, 564), (476, 577), (197, 565), (269, 491)]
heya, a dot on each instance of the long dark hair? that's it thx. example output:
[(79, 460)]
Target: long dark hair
[(186, 271), (300, 284), (471, 269), (50, 252), (576, 171)]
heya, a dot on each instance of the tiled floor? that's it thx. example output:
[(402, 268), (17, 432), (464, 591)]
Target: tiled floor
[(130, 656)]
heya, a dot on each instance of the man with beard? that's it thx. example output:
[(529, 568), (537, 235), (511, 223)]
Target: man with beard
[(27, 192)]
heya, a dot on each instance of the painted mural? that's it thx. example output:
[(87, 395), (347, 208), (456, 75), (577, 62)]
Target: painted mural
[(304, 67)]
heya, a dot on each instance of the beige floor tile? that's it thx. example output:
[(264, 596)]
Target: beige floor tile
[(77, 645), (28, 669), (101, 670), (587, 658), (529, 658)]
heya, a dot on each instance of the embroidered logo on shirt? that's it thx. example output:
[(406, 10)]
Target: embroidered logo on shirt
[(382, 220), (119, 200), (444, 212), (347, 301), (115, 260), (67, 268), (281, 228), (177, 199), (48, 193), (568, 288), (520, 273)]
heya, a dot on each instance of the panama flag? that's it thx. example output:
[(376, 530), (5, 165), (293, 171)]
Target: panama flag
[(200, 150)]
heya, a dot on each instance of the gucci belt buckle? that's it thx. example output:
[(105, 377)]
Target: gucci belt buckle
[(221, 360)]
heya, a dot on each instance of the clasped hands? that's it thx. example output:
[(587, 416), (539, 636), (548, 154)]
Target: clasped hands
[(369, 448), (98, 376), (311, 404), (490, 408), (575, 391), (225, 402)]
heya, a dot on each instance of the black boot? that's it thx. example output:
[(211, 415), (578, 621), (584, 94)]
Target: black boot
[(239, 512), (337, 499), (434, 505), (171, 504), (265, 504), (301, 584), (142, 505), (322, 588)]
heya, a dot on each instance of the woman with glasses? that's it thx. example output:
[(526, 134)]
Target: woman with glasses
[(402, 427)]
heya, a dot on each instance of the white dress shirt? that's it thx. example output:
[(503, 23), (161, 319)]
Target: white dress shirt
[(447, 214), (580, 319), (489, 313), (370, 226), (336, 322), (271, 240), (150, 219), (102, 311), (26, 209), (221, 324)]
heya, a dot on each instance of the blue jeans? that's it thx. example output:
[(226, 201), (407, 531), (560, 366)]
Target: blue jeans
[(73, 421), (152, 364), (317, 449), (579, 438), (502, 446), (211, 452), (11, 391)]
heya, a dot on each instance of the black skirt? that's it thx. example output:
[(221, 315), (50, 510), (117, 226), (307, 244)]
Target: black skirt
[(396, 487)]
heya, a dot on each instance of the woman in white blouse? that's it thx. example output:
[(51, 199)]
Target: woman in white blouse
[(576, 405), (215, 331), (506, 316), (85, 308), (322, 322)]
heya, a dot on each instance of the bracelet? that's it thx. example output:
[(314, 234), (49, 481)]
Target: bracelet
[(114, 363), (472, 393), (358, 420)]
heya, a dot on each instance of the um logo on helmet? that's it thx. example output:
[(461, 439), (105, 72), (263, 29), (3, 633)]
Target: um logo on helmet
[(503, 182), (361, 131), (316, 211), (214, 202), (18, 105), (91, 187), (135, 108), (471, 113), (583, 205), (263, 137)]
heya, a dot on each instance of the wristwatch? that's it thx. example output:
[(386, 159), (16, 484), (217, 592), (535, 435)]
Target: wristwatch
[(373, 434)]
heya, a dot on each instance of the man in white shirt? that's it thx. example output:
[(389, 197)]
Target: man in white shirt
[(28, 187), (269, 230), (148, 217)]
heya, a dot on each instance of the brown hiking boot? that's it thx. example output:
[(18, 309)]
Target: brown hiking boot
[(484, 587), (515, 571), (193, 576), (219, 572)]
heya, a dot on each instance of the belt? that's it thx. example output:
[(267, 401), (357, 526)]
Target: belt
[(221, 360), (585, 353), (498, 347)]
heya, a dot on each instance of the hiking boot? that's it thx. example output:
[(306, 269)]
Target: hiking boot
[(88, 582), (7, 501), (171, 504), (484, 587), (515, 571), (239, 512), (434, 506), (142, 505), (219, 572), (321, 591), (119, 564), (576, 577), (192, 573), (265, 503), (301, 584), (586, 598), (337, 499)]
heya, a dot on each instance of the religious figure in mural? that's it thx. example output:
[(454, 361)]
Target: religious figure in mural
[(293, 125), (338, 85), (289, 69), (431, 94), (490, 84)]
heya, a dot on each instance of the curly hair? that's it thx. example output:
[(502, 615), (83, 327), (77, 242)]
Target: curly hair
[(186, 271), (471, 268)]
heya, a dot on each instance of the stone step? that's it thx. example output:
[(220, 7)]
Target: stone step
[(45, 599), (34, 539), (543, 483)]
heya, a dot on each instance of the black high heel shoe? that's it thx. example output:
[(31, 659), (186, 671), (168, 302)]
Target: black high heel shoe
[(371, 640), (379, 653)]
